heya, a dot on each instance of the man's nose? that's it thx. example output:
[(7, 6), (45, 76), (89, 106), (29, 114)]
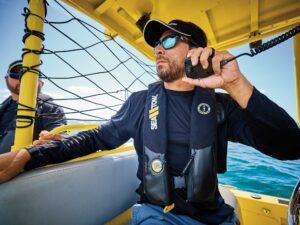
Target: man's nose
[(159, 50)]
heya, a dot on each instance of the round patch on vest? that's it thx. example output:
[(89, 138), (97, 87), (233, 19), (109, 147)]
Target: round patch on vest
[(203, 108), (157, 165)]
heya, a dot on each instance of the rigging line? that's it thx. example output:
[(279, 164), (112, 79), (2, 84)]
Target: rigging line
[(101, 41), (77, 119), (80, 21), (60, 22), (58, 119), (87, 96), (83, 22), (129, 70), (139, 61), (136, 79), (102, 120), (87, 74), (65, 107), (113, 39), (152, 73), (80, 111), (76, 94), (73, 50), (62, 59), (89, 55), (137, 58)]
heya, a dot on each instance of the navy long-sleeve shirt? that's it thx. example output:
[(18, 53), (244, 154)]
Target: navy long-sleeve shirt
[(262, 125), (48, 117)]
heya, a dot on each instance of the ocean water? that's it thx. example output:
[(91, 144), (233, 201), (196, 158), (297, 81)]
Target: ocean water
[(250, 170)]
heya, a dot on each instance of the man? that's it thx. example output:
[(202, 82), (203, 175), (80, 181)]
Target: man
[(180, 129), (48, 114)]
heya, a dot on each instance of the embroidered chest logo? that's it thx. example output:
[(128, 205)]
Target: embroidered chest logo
[(203, 108), (157, 165), (153, 112)]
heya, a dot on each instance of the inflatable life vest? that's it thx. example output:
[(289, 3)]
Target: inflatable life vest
[(199, 176)]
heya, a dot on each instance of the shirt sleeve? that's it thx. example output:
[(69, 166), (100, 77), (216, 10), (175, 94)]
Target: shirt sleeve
[(109, 136), (265, 126), (52, 116)]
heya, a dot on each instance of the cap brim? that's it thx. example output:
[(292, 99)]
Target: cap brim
[(14, 64), (154, 29)]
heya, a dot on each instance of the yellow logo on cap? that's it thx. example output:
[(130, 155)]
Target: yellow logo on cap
[(157, 165)]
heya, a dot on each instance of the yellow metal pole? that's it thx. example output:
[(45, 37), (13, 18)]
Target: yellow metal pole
[(297, 72), (29, 82), (69, 127)]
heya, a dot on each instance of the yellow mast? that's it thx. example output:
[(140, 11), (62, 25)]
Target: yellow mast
[(28, 87), (297, 72)]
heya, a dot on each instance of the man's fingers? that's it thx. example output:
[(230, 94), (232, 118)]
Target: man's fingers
[(43, 133), (45, 139), (50, 136), (213, 81), (41, 142), (216, 64), (204, 56), (195, 55)]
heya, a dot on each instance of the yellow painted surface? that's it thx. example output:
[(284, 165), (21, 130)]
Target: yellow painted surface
[(227, 23), (69, 127), (23, 136), (264, 211), (297, 72), (123, 218)]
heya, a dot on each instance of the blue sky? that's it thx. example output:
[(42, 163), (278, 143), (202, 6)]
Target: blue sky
[(272, 72)]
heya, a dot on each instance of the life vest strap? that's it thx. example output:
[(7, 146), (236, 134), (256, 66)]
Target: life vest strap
[(168, 208)]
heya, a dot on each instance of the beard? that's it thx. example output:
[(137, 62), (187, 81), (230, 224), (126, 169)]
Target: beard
[(12, 89), (172, 72), (16, 89)]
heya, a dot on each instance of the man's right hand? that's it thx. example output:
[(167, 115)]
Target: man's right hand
[(12, 163), (46, 136)]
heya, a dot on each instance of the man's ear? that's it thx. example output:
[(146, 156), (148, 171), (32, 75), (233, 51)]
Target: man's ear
[(41, 83)]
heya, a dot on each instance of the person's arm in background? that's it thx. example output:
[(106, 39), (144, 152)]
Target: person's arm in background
[(50, 116), (109, 136)]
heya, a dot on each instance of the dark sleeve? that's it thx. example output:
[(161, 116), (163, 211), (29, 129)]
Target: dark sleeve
[(264, 126), (52, 116), (109, 136)]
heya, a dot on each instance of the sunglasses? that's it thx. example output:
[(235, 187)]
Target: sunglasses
[(170, 41), (14, 75)]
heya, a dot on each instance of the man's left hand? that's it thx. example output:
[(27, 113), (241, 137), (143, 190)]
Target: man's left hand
[(227, 77), (45, 137)]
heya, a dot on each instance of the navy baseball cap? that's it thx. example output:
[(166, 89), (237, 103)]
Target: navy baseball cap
[(15, 69), (154, 29)]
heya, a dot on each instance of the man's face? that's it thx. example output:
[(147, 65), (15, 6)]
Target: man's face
[(170, 62), (13, 84)]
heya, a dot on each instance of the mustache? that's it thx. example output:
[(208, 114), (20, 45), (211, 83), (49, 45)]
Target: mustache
[(161, 58)]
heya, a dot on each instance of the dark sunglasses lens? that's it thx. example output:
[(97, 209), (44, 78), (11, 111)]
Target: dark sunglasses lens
[(169, 42), (157, 43), (14, 75)]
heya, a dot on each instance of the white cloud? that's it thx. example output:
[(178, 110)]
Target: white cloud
[(4, 91), (80, 104)]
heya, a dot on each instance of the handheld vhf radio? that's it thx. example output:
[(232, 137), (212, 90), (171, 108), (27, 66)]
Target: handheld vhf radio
[(198, 71)]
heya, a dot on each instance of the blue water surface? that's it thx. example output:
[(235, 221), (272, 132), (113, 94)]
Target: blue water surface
[(250, 170)]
